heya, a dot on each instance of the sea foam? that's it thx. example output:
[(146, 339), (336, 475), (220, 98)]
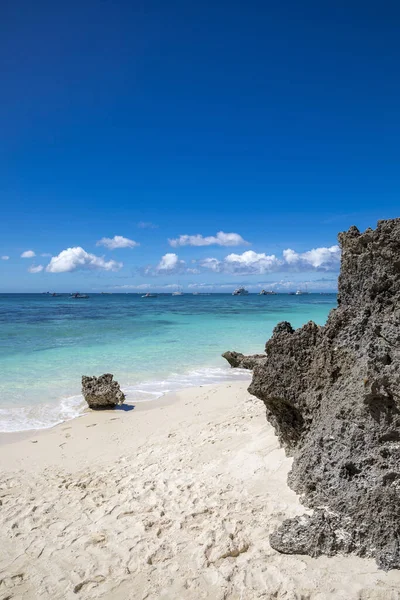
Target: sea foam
[(152, 390), (46, 415)]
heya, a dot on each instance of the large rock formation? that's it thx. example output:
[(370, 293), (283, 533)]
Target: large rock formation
[(102, 392), (332, 394)]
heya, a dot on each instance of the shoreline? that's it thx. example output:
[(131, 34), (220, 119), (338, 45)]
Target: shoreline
[(175, 499), (194, 377), (89, 417)]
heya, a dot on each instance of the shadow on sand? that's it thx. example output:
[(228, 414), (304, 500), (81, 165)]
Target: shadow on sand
[(125, 407)]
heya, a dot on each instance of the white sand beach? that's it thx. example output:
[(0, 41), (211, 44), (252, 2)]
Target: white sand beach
[(172, 500)]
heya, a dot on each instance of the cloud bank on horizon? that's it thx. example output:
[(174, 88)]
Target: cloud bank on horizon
[(323, 284)]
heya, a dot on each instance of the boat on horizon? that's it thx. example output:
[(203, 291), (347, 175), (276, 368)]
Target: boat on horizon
[(178, 292), (302, 292), (148, 295), (267, 293), (240, 291), (78, 296)]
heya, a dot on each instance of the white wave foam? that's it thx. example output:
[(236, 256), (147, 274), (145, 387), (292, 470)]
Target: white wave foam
[(44, 416), (152, 390), (40, 416)]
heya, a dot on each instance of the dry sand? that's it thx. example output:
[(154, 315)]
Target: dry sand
[(172, 500)]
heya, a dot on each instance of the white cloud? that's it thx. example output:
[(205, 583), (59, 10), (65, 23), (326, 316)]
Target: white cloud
[(5, 257), (324, 259), (249, 262), (252, 263), (127, 286), (147, 225), (221, 239), (147, 286), (73, 259), (118, 241), (213, 264), (36, 269), (28, 254), (203, 286), (170, 262), (193, 271)]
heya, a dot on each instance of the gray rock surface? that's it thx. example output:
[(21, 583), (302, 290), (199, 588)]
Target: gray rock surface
[(332, 394), (102, 392), (239, 360)]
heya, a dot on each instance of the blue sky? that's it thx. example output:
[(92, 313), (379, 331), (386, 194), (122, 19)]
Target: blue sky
[(278, 122)]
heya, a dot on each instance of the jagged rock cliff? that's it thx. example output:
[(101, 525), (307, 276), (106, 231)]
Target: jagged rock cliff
[(332, 394), (102, 392)]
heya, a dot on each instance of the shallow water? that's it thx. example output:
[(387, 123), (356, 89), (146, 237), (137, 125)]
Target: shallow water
[(152, 345)]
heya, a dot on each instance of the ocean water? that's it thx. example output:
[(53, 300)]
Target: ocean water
[(151, 345)]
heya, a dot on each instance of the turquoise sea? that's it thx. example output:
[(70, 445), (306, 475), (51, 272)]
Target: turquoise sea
[(151, 345)]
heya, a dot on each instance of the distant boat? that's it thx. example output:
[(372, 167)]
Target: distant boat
[(106, 293), (302, 292), (240, 291), (54, 294), (292, 293), (178, 292), (148, 295), (78, 296), (265, 293)]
